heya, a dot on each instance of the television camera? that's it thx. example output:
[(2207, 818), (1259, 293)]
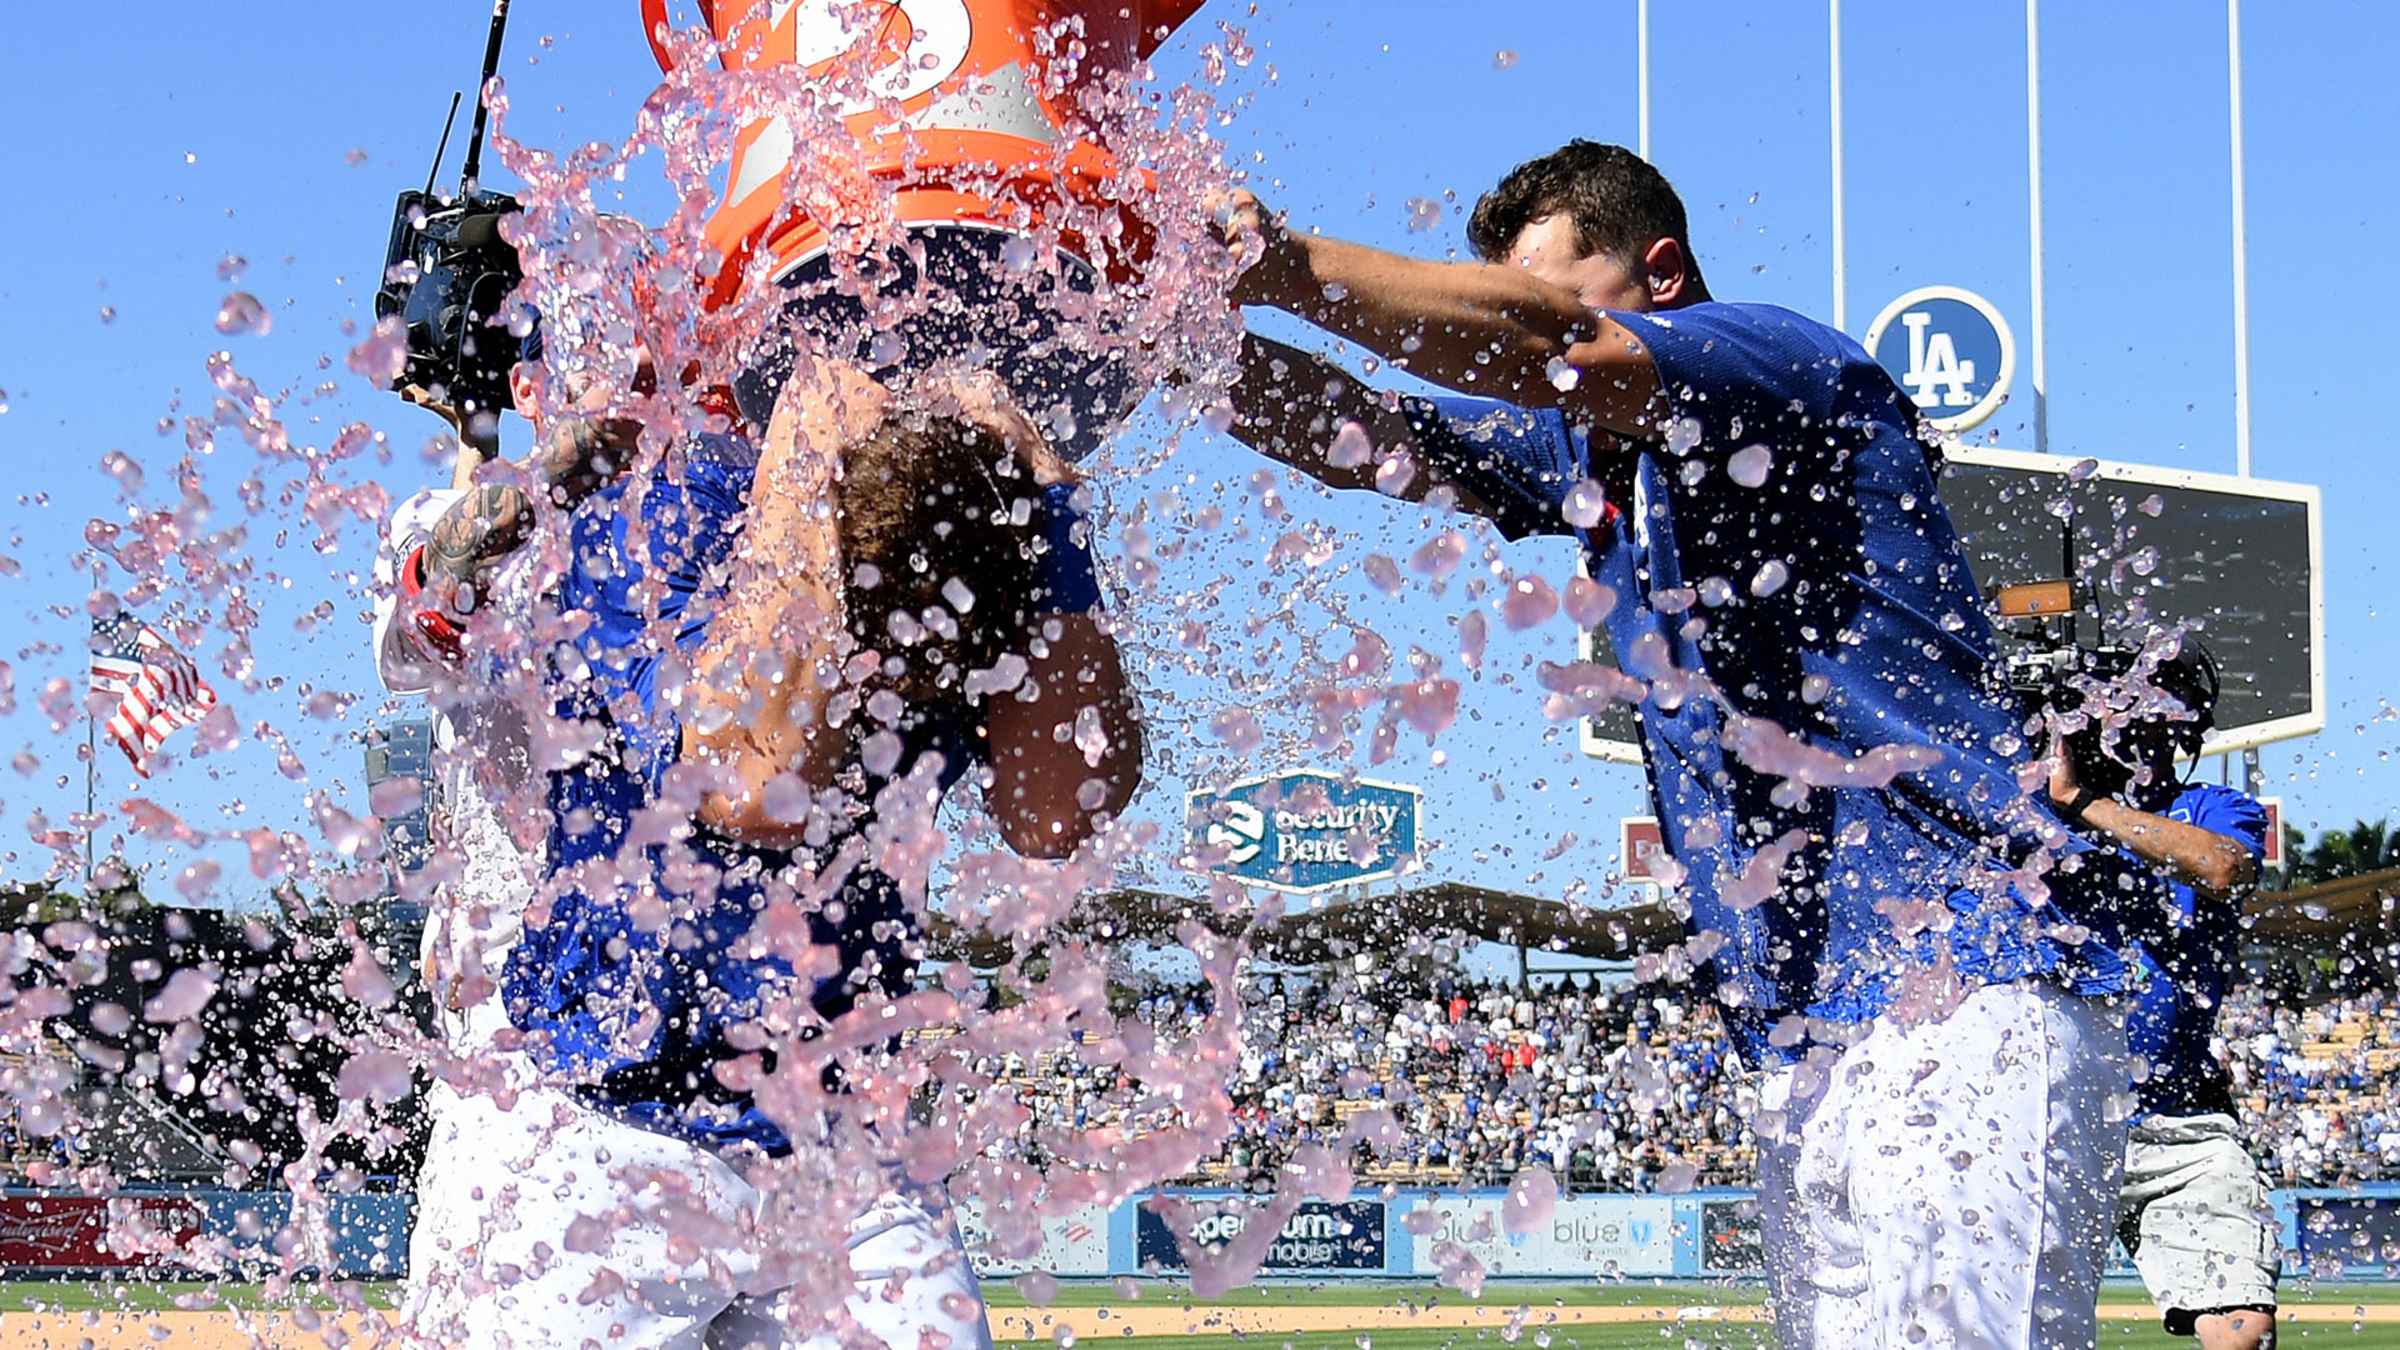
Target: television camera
[(2112, 724), (448, 274)]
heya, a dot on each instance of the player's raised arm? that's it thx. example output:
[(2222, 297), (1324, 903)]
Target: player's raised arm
[(756, 705), (1483, 328), (1292, 406), (1050, 791)]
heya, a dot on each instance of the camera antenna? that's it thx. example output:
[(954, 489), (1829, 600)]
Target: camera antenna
[(434, 169), (491, 67)]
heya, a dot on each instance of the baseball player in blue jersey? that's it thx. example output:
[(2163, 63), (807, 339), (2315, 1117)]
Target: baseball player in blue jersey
[(1916, 952), (2195, 1213), (784, 656)]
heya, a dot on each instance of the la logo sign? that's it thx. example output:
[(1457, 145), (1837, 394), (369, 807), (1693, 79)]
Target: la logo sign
[(1951, 352)]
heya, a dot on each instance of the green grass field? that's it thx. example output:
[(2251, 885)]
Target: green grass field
[(2330, 1324), (1694, 1335)]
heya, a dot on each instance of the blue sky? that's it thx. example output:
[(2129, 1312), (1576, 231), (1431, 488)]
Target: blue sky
[(148, 150)]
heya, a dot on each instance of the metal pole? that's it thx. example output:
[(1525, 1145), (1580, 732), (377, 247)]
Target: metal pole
[(91, 767), (1641, 68), (2033, 179), (1841, 288), (91, 788), (2241, 251)]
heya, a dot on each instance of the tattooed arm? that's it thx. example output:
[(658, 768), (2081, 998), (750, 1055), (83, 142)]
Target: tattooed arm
[(574, 457)]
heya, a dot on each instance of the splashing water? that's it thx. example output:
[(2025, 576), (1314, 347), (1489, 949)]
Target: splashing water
[(937, 1071)]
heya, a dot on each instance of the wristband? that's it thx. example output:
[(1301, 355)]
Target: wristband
[(438, 629), (2080, 803)]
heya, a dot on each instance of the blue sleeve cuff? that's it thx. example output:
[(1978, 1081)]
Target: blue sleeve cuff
[(1070, 578), (1519, 461)]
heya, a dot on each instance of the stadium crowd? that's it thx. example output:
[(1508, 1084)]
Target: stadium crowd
[(1625, 1087), (1610, 1087), (2318, 1086)]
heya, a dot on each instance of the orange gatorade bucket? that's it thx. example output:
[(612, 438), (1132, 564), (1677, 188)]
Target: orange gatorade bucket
[(980, 157), (972, 78)]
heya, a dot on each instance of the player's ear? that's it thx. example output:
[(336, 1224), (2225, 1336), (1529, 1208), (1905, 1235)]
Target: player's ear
[(524, 387), (1666, 271)]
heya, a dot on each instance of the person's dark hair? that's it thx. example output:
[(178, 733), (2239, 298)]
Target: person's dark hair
[(2191, 678), (1620, 204), (927, 501)]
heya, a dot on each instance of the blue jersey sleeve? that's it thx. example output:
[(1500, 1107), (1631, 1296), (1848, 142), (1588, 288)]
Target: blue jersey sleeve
[(1745, 373), (1519, 461), (1070, 579), (2221, 810)]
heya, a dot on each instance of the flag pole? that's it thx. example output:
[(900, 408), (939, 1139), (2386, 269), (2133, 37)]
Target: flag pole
[(91, 766)]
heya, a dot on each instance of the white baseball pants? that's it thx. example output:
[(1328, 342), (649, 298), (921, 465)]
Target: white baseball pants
[(1950, 1183), (554, 1226)]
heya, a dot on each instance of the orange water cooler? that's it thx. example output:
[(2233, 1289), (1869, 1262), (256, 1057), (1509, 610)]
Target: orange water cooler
[(971, 79)]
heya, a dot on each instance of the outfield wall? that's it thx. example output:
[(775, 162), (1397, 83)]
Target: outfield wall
[(54, 1233), (2347, 1234)]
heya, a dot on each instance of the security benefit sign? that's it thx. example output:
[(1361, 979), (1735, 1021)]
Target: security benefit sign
[(1307, 830), (1951, 352), (1318, 1236)]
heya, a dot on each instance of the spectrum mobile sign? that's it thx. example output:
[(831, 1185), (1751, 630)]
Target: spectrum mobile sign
[(1307, 830)]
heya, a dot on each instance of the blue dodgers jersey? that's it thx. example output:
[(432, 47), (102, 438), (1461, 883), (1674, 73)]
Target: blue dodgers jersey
[(2175, 1016), (1791, 586), (641, 1011)]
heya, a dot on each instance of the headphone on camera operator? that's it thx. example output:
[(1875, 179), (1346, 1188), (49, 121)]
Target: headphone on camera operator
[(2133, 762)]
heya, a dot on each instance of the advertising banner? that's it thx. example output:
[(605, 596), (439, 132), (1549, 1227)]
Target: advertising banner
[(1307, 831), (1074, 1245), (1729, 1237), (72, 1232), (2361, 1230), (1584, 1236), (1320, 1236)]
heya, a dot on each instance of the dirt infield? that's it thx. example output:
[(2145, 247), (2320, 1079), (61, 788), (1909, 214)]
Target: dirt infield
[(220, 1330), (1136, 1320)]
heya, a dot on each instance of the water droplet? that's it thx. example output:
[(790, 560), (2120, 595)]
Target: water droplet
[(1586, 501), (241, 312), (1750, 465)]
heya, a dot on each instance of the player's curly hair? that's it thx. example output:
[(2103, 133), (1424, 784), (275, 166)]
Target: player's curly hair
[(1619, 202), (927, 501)]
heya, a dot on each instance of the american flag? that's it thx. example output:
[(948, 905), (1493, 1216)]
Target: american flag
[(158, 687)]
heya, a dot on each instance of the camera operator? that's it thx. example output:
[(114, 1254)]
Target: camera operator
[(451, 555), (2193, 1211)]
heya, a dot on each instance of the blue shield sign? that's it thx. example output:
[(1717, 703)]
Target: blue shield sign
[(1307, 830), (1951, 352)]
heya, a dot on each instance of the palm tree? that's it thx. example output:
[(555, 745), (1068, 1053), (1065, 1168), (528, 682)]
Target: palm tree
[(2367, 846)]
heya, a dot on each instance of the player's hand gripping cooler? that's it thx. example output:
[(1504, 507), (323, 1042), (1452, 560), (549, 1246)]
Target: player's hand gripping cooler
[(989, 152)]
